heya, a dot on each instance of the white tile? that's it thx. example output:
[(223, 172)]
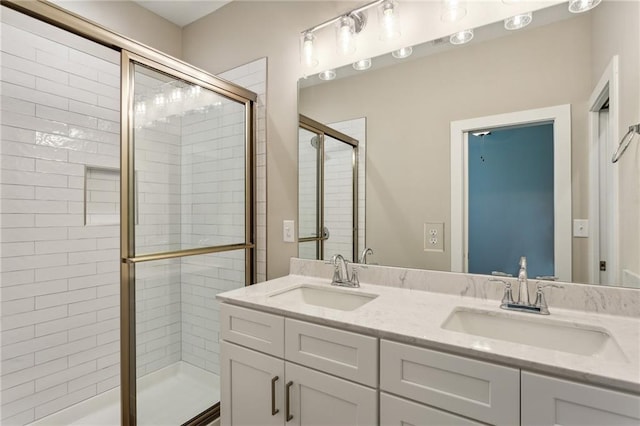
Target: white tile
[(94, 353), (57, 220), (33, 95), (17, 392), (65, 246), (94, 304), (94, 329), (65, 116), (17, 335), (17, 192), (65, 91), (64, 298), (17, 105), (65, 272), (20, 320), (64, 376), (17, 306), (10, 162), (30, 149), (32, 289), (30, 206), (17, 249), (27, 262), (33, 345), (65, 350), (65, 324), (33, 68), (67, 194), (28, 374)]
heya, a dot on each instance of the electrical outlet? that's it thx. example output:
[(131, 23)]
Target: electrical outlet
[(434, 236), (288, 231)]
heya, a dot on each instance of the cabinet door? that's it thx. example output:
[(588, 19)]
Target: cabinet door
[(318, 399), (551, 401), (396, 411), (251, 387)]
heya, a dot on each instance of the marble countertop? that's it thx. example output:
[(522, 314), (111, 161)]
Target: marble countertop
[(415, 317)]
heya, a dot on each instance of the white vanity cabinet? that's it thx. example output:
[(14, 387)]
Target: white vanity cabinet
[(272, 388), (552, 401)]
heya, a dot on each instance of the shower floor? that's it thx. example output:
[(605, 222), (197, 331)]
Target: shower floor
[(169, 396)]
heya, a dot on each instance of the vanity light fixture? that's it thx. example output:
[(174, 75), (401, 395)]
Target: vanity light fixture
[(362, 64), (327, 75), (348, 26), (518, 21), (453, 10), (461, 37), (389, 20), (579, 6), (402, 53), (309, 58)]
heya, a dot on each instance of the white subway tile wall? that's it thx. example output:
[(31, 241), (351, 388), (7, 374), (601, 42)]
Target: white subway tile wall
[(60, 279), (307, 186)]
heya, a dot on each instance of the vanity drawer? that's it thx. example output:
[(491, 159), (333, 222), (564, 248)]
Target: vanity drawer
[(342, 353), (479, 390), (396, 411), (253, 329)]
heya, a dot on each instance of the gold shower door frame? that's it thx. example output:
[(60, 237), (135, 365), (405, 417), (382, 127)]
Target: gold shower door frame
[(129, 259)]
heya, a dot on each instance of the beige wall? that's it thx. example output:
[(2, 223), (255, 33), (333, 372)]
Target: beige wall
[(130, 20), (409, 108), (615, 31)]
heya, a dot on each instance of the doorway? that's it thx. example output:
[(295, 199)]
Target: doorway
[(559, 117)]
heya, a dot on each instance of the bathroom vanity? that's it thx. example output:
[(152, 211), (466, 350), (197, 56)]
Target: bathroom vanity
[(299, 351)]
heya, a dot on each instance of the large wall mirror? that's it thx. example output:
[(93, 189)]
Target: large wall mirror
[(441, 120)]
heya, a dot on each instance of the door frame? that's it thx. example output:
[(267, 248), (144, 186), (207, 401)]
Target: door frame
[(560, 115), (607, 88)]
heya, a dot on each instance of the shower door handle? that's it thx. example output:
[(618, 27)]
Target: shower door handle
[(274, 410), (287, 403)]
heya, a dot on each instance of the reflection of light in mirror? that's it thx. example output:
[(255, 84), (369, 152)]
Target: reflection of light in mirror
[(518, 21), (453, 10), (362, 64), (327, 75), (402, 53), (389, 20), (461, 37), (579, 6)]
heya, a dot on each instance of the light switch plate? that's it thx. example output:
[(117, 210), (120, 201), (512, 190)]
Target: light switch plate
[(581, 228), (288, 231), (434, 236)]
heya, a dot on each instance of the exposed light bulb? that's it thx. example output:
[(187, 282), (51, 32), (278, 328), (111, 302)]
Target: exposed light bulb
[(362, 64), (389, 20), (518, 21), (402, 53), (461, 37), (579, 6), (308, 51)]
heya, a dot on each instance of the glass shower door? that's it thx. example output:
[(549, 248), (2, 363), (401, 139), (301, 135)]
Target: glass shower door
[(188, 237)]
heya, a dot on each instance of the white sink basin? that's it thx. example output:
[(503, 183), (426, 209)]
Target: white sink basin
[(533, 331), (326, 297)]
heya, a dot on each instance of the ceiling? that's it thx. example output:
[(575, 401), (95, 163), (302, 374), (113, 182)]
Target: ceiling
[(182, 12)]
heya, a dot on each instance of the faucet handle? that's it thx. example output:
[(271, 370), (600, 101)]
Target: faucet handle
[(355, 281), (541, 302), (507, 298)]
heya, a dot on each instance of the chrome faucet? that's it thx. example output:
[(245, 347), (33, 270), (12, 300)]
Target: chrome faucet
[(523, 304), (341, 273), (363, 257), (524, 284)]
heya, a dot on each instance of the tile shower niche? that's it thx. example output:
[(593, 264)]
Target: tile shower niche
[(101, 196)]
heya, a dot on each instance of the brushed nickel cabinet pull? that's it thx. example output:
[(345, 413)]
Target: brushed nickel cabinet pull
[(274, 410), (288, 401)]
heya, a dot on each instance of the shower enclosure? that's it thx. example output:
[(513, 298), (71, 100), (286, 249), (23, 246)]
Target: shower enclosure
[(127, 205)]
